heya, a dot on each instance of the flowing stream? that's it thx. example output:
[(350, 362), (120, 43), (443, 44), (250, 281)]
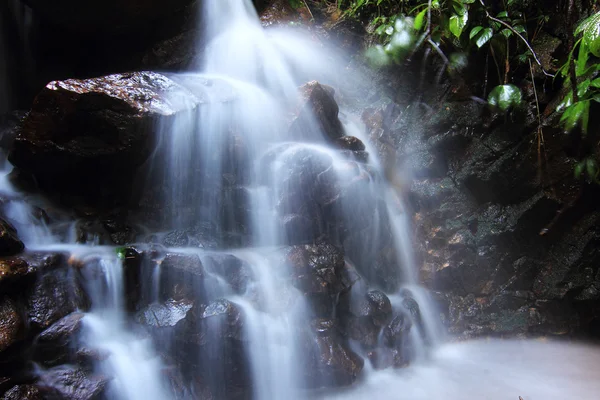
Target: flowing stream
[(246, 86)]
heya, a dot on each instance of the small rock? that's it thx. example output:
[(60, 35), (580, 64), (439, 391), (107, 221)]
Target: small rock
[(12, 326), (55, 345)]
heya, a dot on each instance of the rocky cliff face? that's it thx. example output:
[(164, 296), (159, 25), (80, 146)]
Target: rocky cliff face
[(507, 237)]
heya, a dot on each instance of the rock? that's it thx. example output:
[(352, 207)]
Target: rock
[(56, 344), (54, 295), (164, 315), (316, 268), (350, 143), (318, 113), (12, 326), (24, 392), (210, 342), (10, 243), (17, 273), (72, 383), (331, 362), (365, 315), (95, 131), (181, 276), (237, 272)]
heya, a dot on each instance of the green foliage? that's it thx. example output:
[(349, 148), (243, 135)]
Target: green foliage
[(505, 97), (121, 252), (587, 83)]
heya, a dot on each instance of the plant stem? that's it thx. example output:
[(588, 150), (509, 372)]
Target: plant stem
[(572, 72), (533, 54)]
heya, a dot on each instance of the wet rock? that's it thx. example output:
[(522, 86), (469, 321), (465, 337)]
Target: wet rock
[(95, 131), (364, 315), (12, 326), (57, 344), (234, 270), (181, 276), (24, 392), (54, 295), (211, 338), (318, 112), (276, 12), (331, 362), (166, 314), (10, 243), (350, 143), (72, 383), (19, 272), (316, 268)]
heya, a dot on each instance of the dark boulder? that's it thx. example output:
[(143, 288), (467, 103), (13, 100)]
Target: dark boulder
[(317, 114), (12, 325), (95, 131), (10, 243), (72, 384), (237, 272), (57, 344), (54, 295)]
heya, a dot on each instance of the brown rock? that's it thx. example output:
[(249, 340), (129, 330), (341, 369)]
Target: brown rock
[(12, 326)]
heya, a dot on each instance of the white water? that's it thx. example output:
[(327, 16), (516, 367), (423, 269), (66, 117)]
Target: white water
[(489, 370), (130, 360), (247, 79)]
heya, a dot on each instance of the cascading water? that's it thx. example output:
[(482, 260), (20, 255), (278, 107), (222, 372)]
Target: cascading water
[(243, 280)]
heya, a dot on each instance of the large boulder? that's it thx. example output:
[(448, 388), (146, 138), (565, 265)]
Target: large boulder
[(87, 137)]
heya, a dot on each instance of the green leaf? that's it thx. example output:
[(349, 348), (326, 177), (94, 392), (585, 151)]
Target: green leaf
[(592, 20), (504, 97), (468, 1), (585, 117), (579, 169), (595, 83), (459, 8), (506, 32), (121, 251), (574, 114), (458, 23), (419, 19), (591, 37), (502, 14), (520, 28), (484, 37), (583, 87), (582, 58), (591, 167), (475, 31), (377, 56)]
